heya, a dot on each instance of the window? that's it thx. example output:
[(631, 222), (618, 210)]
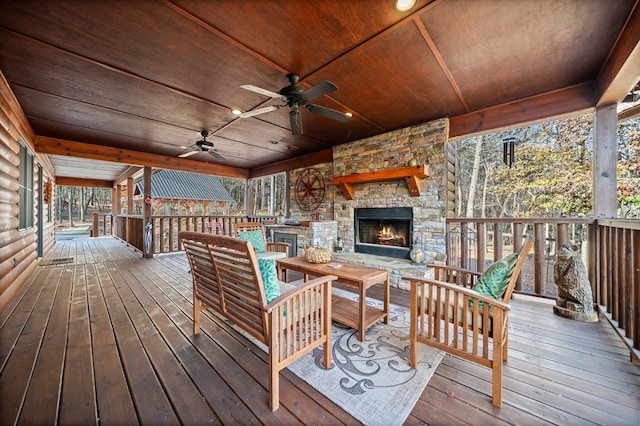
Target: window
[(25, 191), (270, 195)]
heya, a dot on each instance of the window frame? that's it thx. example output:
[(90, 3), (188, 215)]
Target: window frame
[(26, 196)]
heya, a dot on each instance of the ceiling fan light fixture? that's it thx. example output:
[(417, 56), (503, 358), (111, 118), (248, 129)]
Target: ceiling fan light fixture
[(404, 5)]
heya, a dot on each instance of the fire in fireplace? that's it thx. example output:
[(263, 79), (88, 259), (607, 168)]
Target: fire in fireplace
[(384, 231)]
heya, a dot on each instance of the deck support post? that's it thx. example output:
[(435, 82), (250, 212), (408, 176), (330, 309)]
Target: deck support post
[(146, 214), (605, 152)]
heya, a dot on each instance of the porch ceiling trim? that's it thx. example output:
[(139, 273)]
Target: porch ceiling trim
[(46, 145), (524, 111)]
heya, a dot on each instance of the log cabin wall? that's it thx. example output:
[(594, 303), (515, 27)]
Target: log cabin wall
[(18, 248)]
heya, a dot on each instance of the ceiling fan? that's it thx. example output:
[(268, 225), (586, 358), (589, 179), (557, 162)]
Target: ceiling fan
[(202, 146), (296, 97)]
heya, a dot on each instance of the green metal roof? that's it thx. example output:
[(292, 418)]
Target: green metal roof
[(174, 184)]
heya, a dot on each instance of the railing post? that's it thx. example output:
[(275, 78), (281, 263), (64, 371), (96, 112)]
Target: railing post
[(538, 259), (497, 241), (517, 245), (481, 245), (95, 231), (464, 246), (563, 235), (162, 242)]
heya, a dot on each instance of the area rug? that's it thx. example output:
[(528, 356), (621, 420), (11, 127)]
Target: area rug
[(371, 380)]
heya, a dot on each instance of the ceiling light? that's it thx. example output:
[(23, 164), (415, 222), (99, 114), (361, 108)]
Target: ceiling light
[(236, 111), (292, 147), (348, 114), (404, 5)]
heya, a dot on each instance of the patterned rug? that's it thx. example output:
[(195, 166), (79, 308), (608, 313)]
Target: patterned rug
[(371, 380)]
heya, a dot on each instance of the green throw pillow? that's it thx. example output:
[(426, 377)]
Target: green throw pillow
[(255, 238), (494, 281), (269, 278)]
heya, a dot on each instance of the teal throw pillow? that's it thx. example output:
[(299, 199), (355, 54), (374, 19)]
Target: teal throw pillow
[(494, 281), (255, 238), (269, 278)]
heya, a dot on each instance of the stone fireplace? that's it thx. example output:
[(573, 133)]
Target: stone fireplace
[(426, 199), (383, 231), (423, 211)]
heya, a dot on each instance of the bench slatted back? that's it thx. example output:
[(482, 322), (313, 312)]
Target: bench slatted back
[(205, 282), (240, 278)]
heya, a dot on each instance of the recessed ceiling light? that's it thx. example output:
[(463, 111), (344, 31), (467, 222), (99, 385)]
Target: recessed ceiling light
[(348, 114), (274, 142), (236, 111), (404, 5), (292, 147)]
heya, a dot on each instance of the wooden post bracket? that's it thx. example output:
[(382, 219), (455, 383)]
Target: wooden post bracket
[(412, 175)]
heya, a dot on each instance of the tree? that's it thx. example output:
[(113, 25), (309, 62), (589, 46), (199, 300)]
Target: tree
[(474, 177), (552, 173)]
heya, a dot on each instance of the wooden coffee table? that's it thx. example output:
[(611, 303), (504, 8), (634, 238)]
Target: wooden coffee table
[(357, 315)]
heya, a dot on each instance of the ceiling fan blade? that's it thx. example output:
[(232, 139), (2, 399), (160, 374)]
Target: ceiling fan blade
[(188, 154), (260, 111), (261, 91), (330, 113), (319, 90), (214, 154), (296, 122)]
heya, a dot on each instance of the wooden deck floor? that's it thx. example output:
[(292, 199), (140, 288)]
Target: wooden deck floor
[(100, 335)]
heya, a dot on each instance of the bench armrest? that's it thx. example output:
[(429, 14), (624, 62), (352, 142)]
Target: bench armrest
[(316, 284), (279, 246)]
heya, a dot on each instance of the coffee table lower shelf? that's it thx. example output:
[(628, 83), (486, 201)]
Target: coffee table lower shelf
[(346, 312)]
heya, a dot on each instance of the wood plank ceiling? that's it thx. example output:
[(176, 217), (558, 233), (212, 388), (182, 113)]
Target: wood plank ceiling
[(147, 76)]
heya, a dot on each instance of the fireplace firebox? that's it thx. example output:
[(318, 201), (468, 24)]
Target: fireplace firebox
[(384, 231)]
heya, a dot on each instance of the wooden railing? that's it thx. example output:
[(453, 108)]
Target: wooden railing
[(610, 250), (617, 285), (131, 229), (102, 224), (166, 228), (475, 243)]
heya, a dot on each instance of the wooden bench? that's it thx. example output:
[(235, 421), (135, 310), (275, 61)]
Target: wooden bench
[(447, 314), (227, 279)]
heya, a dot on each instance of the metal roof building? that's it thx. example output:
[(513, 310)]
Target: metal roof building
[(178, 185)]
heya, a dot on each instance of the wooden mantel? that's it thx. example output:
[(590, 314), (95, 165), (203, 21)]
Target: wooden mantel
[(413, 175)]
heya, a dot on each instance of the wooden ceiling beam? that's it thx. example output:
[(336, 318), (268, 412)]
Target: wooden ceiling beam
[(325, 156), (46, 145), (94, 183), (127, 174), (621, 71), (629, 113), (524, 111)]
